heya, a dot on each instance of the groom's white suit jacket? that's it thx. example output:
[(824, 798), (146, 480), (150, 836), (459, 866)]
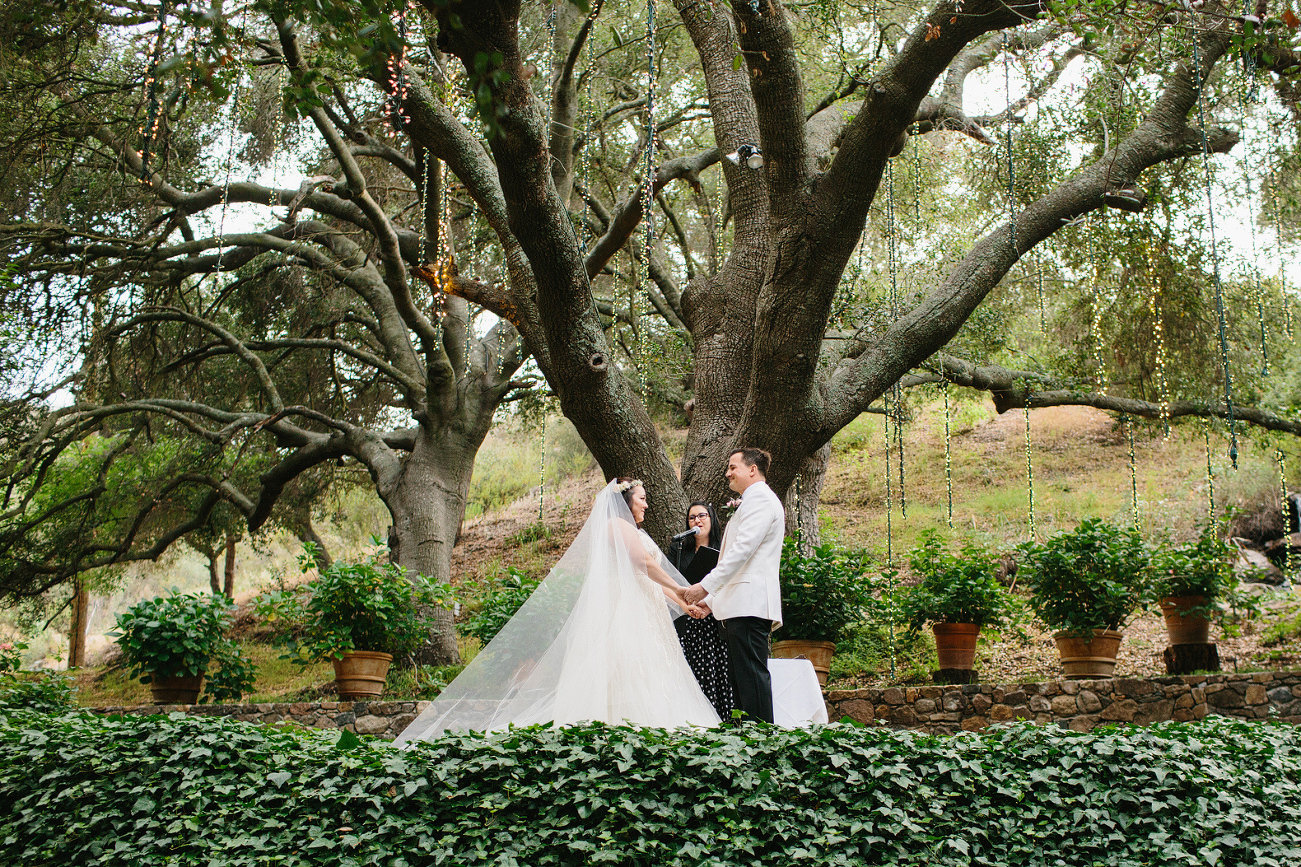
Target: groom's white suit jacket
[(744, 583)]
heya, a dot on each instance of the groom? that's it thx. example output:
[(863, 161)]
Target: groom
[(744, 593)]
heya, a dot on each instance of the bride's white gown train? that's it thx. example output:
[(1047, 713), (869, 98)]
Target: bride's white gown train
[(595, 641)]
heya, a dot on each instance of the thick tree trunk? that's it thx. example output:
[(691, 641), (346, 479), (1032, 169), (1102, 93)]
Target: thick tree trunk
[(214, 582), (804, 497), (427, 504), (77, 628), (228, 586)]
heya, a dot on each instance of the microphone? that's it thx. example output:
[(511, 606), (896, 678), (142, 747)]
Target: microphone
[(685, 533)]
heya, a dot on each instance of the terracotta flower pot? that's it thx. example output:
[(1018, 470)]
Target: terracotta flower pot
[(1182, 626), (361, 674), (1088, 656), (178, 689), (955, 644), (817, 652)]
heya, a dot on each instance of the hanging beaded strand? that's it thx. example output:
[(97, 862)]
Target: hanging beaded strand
[(1128, 425), (948, 455), (889, 488), (1029, 476), (1288, 508), (1210, 475), (647, 194)]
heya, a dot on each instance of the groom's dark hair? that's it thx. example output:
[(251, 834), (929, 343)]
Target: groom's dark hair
[(755, 458)]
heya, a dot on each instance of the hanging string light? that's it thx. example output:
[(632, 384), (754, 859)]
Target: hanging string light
[(423, 245), (799, 512), (1215, 256), (153, 115), (1095, 321), (397, 76), (647, 193), (1287, 507), (542, 465), (948, 454), (1128, 424), (1158, 331)]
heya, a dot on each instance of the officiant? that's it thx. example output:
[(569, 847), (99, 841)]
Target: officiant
[(694, 552)]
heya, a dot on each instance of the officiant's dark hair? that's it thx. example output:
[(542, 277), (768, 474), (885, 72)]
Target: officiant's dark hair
[(715, 529), (755, 458)]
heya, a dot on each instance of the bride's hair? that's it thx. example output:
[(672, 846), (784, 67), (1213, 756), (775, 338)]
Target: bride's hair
[(625, 486)]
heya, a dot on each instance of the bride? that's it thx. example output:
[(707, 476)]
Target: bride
[(595, 641)]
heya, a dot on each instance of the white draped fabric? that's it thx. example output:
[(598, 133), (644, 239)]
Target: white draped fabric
[(595, 641)]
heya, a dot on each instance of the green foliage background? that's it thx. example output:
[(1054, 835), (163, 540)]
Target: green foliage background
[(178, 791)]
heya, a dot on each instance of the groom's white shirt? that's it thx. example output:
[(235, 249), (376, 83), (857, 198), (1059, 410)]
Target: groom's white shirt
[(744, 583)]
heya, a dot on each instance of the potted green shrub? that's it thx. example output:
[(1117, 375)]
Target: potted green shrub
[(1085, 584), (356, 615), (957, 596), (172, 642), (1190, 579), (823, 593)]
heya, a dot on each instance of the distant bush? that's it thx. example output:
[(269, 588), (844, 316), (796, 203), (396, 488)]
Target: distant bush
[(48, 692), (508, 593), (145, 791)]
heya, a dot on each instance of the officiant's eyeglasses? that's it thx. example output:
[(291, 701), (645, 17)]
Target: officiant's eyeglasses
[(697, 517)]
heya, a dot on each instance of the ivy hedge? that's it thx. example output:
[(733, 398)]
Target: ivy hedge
[(77, 789)]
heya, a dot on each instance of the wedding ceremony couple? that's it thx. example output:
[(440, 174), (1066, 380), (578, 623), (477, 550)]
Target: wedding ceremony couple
[(617, 633)]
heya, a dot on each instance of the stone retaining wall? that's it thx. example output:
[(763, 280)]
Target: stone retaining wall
[(1077, 704), (384, 719)]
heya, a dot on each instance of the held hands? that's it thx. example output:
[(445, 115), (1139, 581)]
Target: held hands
[(697, 612), (695, 593)]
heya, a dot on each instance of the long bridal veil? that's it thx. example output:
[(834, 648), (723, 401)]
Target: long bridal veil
[(595, 641)]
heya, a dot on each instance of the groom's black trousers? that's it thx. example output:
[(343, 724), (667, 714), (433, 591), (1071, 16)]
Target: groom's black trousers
[(747, 657)]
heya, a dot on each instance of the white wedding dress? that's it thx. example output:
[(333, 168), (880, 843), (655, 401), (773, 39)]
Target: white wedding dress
[(595, 641)]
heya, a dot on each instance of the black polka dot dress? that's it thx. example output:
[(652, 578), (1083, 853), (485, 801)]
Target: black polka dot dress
[(706, 653), (705, 649)]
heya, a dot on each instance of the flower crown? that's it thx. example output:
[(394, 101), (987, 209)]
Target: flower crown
[(628, 485)]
